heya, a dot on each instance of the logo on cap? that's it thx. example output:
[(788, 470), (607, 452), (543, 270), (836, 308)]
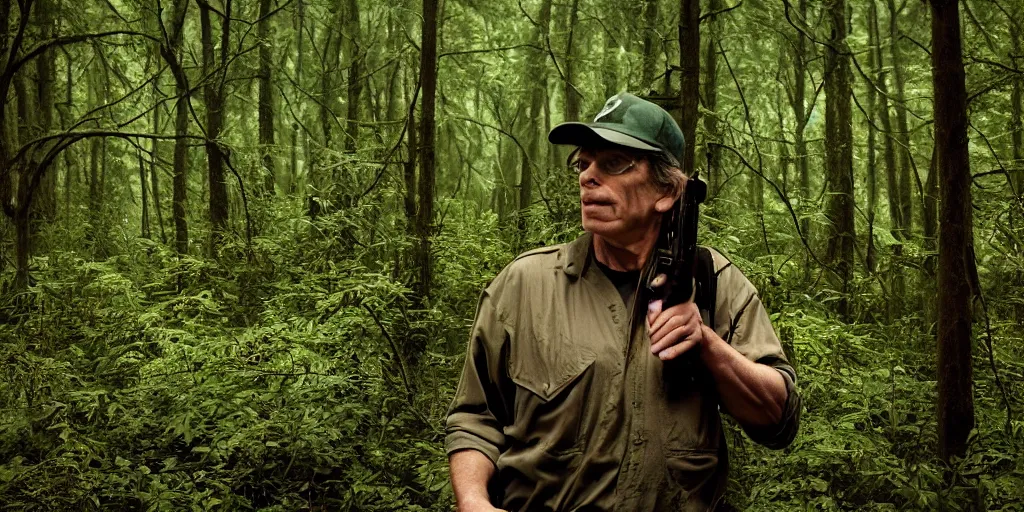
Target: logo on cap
[(610, 105)]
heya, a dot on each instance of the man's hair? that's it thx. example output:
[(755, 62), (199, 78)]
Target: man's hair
[(665, 169)]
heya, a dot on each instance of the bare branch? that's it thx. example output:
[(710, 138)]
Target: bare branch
[(490, 50), (720, 11), (67, 40)]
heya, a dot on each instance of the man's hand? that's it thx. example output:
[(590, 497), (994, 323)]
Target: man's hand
[(674, 330)]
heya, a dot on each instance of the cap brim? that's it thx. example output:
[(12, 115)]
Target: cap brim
[(581, 134)]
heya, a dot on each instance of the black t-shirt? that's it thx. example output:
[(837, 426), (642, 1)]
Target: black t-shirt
[(625, 282)]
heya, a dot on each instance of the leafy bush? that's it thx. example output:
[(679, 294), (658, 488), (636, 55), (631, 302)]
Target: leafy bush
[(299, 372)]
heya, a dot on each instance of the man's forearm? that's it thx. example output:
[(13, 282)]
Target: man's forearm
[(470, 470), (754, 394)]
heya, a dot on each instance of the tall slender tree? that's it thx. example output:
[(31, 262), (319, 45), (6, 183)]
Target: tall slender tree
[(801, 115), (956, 400), (266, 99), (651, 45), (170, 49), (353, 55), (45, 205), (572, 94), (872, 98), (839, 154), (710, 96), (213, 89), (425, 211), (1017, 97), (892, 180), (903, 132), (689, 87), (538, 73), (409, 166)]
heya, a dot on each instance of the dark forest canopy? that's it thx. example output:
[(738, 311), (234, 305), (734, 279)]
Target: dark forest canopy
[(242, 241)]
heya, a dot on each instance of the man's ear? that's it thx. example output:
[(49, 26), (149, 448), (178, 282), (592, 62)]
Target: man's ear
[(665, 202)]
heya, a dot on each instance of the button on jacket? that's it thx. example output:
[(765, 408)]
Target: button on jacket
[(560, 390)]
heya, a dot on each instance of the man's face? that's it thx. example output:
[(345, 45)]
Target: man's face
[(620, 207)]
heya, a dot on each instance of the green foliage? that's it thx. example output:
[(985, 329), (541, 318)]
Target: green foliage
[(257, 386), (292, 367)]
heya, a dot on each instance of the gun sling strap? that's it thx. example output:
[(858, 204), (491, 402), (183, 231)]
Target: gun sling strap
[(707, 285)]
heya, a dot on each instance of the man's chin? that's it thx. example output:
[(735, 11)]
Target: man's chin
[(601, 227)]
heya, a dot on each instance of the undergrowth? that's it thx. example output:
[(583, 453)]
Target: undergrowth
[(299, 373)]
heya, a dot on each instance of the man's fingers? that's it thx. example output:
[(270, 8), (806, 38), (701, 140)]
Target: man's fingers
[(677, 350), (666, 326), (672, 337), (683, 311)]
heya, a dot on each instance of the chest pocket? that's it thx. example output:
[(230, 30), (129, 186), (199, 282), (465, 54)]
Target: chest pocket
[(548, 365)]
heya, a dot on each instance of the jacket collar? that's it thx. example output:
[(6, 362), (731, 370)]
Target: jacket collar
[(577, 255)]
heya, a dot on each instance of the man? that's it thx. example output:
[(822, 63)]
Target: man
[(570, 398)]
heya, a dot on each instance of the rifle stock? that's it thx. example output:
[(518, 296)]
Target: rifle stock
[(675, 256)]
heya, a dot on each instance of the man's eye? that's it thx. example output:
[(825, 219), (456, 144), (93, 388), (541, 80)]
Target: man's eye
[(615, 163), (581, 164)]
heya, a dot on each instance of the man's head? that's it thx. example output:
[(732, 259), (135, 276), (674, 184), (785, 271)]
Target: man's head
[(628, 166)]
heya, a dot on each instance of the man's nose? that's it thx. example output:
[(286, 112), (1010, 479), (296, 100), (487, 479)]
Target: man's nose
[(589, 175)]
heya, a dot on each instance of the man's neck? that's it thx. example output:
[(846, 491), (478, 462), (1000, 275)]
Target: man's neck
[(625, 256)]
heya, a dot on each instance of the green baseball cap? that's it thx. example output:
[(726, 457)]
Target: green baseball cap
[(625, 120)]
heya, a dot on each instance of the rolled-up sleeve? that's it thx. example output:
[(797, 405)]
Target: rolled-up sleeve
[(480, 411), (742, 320)]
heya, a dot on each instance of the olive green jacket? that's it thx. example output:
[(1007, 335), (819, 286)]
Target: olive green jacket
[(560, 390)]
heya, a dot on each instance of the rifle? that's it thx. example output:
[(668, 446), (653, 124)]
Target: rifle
[(675, 255)]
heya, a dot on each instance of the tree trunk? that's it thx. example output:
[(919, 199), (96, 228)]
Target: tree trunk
[(104, 162), (1017, 111), (711, 101), (409, 167), (893, 196), (22, 248), (931, 238), (21, 217), (505, 173), (179, 192), (6, 182), (609, 64), (1017, 135), (875, 66), (538, 76), (180, 179), (214, 120), (839, 156), (799, 100), (689, 63), (300, 36), (266, 100), (903, 134), (328, 95), (64, 123), (44, 208), (956, 402), (144, 188), (652, 44), (572, 96), (153, 167), (428, 77), (355, 79), (95, 146)]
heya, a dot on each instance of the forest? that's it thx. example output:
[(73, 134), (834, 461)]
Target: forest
[(243, 241)]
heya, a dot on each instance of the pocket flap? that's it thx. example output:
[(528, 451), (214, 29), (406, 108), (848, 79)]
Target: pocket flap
[(546, 369)]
